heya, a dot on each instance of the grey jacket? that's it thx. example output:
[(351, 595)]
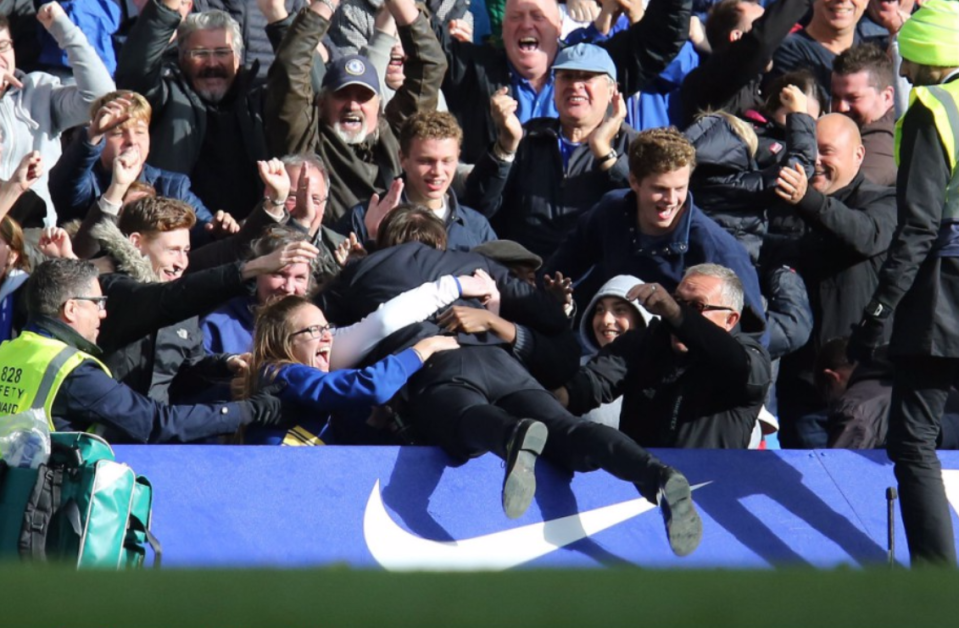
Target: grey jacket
[(32, 117)]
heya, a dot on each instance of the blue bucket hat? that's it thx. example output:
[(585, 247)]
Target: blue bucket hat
[(585, 57)]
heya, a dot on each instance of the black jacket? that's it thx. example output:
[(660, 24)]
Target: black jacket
[(545, 344), (151, 338), (533, 200), (477, 72), (860, 418), (708, 397), (918, 283), (843, 244), (179, 114), (730, 186)]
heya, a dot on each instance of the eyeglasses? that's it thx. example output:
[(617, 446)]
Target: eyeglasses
[(702, 307), (317, 200), (313, 331), (205, 54), (6, 44), (100, 301)]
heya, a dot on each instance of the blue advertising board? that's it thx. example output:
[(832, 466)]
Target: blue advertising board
[(402, 508)]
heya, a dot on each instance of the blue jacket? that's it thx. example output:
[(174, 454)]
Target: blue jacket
[(311, 395), (229, 328), (78, 180), (657, 104), (465, 227), (607, 241)]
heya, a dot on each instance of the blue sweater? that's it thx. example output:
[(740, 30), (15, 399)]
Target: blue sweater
[(229, 329), (78, 179), (312, 395)]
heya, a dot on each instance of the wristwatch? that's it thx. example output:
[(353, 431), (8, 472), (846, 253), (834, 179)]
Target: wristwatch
[(502, 154), (875, 309), (610, 157)]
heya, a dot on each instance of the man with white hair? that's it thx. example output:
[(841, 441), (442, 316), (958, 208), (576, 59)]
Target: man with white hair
[(691, 378), (207, 120)]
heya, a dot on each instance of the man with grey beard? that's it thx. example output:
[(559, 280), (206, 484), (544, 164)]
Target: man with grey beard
[(346, 126), (207, 120)]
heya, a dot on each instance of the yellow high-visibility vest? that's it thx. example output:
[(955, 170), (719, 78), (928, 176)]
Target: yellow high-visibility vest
[(943, 102), (32, 369)]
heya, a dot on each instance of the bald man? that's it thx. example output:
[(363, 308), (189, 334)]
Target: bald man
[(848, 225)]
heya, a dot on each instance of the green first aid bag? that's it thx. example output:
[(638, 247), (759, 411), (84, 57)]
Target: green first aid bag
[(81, 507)]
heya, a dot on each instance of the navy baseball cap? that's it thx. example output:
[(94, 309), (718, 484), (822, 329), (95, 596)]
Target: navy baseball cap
[(351, 70), (585, 57)]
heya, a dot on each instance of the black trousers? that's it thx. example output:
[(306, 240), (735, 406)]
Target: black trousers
[(469, 402), (919, 391)]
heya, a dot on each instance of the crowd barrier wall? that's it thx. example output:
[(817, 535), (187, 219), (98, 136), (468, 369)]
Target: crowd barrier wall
[(402, 508)]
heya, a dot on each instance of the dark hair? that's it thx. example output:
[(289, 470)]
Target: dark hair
[(868, 58), (155, 214), (411, 223), (804, 80), (429, 125), (56, 281), (724, 17), (831, 356), (660, 150)]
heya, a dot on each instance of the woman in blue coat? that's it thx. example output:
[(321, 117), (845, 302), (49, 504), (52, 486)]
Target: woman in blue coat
[(292, 351)]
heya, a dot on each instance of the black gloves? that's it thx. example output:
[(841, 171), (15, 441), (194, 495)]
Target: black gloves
[(264, 408), (865, 339)]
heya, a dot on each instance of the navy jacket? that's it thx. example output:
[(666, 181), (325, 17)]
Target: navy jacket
[(465, 227), (534, 200), (544, 343), (607, 240), (79, 179), (89, 396)]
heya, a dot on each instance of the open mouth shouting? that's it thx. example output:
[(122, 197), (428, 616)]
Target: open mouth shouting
[(528, 44), (321, 359), (352, 122)]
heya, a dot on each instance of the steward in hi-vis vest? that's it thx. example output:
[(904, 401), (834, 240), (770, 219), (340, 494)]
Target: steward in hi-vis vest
[(32, 368), (919, 281), (54, 365)]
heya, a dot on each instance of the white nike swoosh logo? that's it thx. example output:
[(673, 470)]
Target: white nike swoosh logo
[(395, 549)]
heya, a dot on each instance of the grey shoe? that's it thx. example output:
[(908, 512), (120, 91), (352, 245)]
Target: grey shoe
[(683, 525), (519, 485)]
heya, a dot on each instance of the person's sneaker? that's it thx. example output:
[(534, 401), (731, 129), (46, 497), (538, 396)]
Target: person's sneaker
[(683, 525), (519, 484)]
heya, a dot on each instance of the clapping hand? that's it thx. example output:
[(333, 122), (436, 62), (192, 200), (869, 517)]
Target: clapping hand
[(222, 225), (348, 250), (503, 108), (378, 209), (55, 242)]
